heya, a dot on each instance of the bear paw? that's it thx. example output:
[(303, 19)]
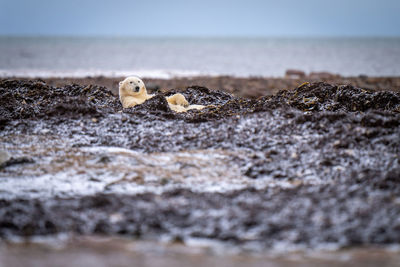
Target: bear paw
[(178, 99)]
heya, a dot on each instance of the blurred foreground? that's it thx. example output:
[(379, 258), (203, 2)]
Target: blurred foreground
[(100, 251)]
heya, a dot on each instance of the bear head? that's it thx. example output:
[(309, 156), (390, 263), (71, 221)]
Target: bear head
[(132, 86)]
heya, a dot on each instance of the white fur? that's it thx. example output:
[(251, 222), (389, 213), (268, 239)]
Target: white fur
[(130, 97)]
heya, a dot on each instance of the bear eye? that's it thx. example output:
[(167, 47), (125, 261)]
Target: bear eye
[(131, 82)]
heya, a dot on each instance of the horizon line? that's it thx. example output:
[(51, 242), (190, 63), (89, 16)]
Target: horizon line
[(296, 36)]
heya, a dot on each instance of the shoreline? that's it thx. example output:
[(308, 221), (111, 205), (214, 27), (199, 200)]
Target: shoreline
[(249, 87)]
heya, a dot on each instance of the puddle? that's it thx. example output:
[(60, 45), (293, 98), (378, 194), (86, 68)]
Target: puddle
[(100, 251)]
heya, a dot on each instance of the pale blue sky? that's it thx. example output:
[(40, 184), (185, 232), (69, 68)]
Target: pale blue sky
[(201, 18)]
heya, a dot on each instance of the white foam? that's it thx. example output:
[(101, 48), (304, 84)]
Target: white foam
[(82, 73)]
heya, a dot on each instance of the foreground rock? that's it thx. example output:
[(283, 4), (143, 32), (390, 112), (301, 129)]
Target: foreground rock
[(313, 166)]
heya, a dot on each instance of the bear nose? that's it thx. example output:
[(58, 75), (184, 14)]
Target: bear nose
[(137, 88)]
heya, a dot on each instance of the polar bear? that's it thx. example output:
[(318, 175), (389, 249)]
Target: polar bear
[(132, 92)]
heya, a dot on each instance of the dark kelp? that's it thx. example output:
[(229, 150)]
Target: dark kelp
[(347, 137)]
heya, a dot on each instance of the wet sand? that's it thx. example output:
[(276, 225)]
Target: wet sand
[(313, 167), (104, 251)]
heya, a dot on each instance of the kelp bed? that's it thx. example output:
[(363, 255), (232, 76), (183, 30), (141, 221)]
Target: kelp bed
[(316, 165)]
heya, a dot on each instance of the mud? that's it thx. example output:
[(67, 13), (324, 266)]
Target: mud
[(315, 166), (123, 252)]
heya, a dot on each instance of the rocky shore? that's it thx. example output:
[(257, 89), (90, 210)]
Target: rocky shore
[(313, 166)]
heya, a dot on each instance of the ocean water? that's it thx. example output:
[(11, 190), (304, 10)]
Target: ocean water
[(169, 57)]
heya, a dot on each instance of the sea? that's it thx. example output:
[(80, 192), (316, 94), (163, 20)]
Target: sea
[(175, 57)]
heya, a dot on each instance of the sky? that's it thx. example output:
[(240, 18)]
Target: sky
[(204, 18)]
